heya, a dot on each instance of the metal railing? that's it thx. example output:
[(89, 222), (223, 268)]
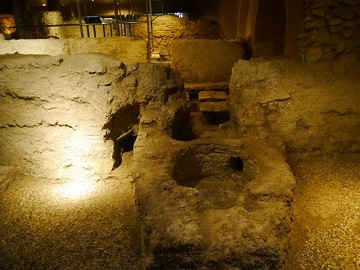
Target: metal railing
[(125, 28)]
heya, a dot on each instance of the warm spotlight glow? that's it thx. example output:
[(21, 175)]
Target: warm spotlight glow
[(76, 164), (74, 190), (44, 5)]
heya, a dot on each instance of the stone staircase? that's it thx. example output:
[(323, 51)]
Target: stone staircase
[(209, 104)]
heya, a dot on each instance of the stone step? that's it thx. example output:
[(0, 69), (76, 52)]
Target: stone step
[(207, 86), (212, 95), (218, 106)]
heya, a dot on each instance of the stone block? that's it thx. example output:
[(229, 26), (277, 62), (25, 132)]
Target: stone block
[(200, 60), (318, 3), (323, 36), (212, 95), (334, 28), (348, 24), (347, 32), (351, 2), (315, 24), (219, 106), (329, 55), (122, 48), (335, 21), (318, 12), (346, 13), (324, 95), (332, 3), (341, 46), (313, 54), (167, 28)]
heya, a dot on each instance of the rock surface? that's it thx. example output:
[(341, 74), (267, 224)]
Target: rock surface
[(99, 168), (167, 28), (333, 25), (123, 48), (215, 203), (302, 106), (65, 201), (90, 123), (203, 60)]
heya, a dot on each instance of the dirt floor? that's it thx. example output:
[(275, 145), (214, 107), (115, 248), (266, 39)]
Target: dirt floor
[(327, 209), (47, 225)]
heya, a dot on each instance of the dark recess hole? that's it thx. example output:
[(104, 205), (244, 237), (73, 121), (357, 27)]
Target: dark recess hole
[(216, 118), (181, 127), (193, 95), (122, 146), (121, 128), (236, 163)]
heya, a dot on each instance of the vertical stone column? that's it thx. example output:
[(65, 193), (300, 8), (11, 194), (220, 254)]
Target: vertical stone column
[(51, 18)]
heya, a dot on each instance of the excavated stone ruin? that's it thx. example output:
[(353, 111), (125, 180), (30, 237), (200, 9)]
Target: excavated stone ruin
[(159, 197)]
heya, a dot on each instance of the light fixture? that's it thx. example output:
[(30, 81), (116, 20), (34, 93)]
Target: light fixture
[(44, 4)]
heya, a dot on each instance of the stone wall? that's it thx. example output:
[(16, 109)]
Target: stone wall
[(57, 124), (168, 28), (65, 180), (124, 48), (330, 28), (53, 127), (203, 60), (304, 107)]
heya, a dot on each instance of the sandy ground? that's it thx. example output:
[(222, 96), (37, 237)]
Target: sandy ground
[(57, 225), (327, 210)]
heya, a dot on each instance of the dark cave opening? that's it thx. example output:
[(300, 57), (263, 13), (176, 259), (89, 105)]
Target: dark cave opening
[(193, 95), (236, 163), (122, 130), (121, 146), (181, 128)]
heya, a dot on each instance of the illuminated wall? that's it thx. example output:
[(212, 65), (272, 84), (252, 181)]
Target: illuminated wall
[(168, 27), (52, 128), (124, 48)]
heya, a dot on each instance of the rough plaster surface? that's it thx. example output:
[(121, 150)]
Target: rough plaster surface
[(303, 106), (203, 60), (167, 28), (123, 48)]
